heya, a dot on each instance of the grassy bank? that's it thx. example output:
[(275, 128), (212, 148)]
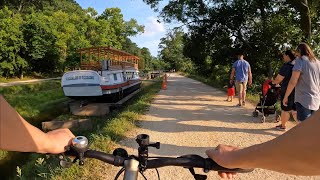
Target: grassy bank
[(32, 99), (35, 102), (107, 131)]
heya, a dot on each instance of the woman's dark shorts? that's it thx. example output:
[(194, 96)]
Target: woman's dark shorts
[(291, 105)]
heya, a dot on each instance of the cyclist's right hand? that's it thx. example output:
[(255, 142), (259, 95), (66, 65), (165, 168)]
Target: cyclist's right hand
[(57, 140), (224, 155)]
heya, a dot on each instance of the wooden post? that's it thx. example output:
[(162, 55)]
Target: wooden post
[(80, 59)]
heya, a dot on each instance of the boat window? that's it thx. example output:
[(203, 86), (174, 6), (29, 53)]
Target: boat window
[(124, 76), (115, 77)]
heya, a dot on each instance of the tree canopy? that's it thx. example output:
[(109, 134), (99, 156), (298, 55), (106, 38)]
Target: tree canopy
[(262, 29), (43, 36)]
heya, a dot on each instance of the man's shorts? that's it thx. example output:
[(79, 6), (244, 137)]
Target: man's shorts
[(241, 86)]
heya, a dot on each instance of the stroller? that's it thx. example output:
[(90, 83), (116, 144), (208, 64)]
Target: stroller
[(268, 99)]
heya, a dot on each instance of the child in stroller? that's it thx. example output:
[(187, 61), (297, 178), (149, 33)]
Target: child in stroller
[(268, 98)]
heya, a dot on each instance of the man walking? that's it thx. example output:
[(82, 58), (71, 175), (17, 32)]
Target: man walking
[(242, 70)]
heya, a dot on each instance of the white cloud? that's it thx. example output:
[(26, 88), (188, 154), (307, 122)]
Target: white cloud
[(153, 27)]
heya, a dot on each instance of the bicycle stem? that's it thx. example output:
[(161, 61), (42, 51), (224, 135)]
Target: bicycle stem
[(131, 169)]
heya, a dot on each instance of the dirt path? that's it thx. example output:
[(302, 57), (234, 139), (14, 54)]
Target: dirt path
[(25, 82), (190, 117)]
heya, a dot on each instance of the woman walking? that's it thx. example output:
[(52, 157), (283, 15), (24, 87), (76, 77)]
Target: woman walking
[(284, 77), (306, 81)]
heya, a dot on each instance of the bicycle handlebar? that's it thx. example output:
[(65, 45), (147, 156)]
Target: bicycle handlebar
[(187, 161), (79, 148)]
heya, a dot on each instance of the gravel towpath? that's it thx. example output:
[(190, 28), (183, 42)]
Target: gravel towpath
[(191, 117), (26, 82)]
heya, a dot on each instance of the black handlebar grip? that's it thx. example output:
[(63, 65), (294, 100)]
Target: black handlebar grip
[(216, 167), (108, 158)]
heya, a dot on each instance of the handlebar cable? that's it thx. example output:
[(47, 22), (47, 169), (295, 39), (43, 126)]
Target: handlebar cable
[(119, 173), (141, 172), (158, 174)]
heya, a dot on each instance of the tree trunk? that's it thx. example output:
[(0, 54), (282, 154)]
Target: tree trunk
[(21, 75), (305, 21)]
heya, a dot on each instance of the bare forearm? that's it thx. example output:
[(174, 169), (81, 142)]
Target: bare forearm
[(290, 88), (295, 152), (18, 135), (278, 79), (232, 74), (292, 83)]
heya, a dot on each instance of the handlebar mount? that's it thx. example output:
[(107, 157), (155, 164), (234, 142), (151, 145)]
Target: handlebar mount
[(143, 154)]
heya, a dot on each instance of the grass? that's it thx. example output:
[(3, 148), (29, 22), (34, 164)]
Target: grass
[(32, 99), (3, 154), (107, 131)]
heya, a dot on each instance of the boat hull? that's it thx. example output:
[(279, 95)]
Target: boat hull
[(114, 96), (90, 85)]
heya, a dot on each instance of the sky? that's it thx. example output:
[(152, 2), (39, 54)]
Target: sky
[(140, 11)]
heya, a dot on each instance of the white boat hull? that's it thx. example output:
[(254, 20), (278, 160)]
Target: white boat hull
[(83, 84)]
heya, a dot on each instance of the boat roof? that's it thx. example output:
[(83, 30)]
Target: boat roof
[(108, 53)]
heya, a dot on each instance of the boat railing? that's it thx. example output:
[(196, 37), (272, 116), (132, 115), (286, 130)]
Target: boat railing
[(90, 65), (114, 65)]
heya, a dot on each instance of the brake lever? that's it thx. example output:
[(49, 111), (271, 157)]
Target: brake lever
[(195, 157), (65, 161)]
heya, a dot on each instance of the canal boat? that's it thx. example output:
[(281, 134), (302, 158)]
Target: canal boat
[(105, 74)]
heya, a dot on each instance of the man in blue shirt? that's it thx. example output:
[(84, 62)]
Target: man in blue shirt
[(242, 70)]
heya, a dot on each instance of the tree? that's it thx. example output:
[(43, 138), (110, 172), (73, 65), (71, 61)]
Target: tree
[(11, 43), (118, 29), (308, 11), (187, 11), (218, 28), (23, 5), (44, 36), (171, 50)]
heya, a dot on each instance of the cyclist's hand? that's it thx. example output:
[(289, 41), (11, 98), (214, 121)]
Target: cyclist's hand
[(58, 140), (224, 156)]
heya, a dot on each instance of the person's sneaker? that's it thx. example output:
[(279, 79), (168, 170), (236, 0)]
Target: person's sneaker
[(238, 105), (243, 103), (281, 128)]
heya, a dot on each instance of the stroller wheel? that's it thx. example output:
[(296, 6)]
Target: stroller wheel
[(255, 114), (263, 119)]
